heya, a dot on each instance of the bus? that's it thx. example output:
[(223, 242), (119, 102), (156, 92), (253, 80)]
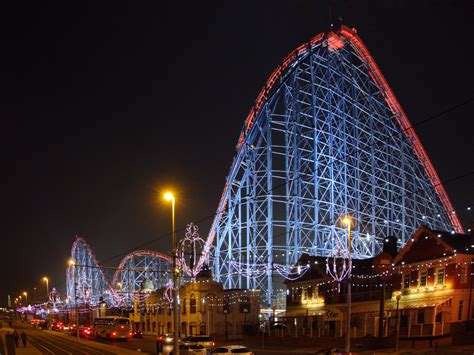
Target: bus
[(112, 327)]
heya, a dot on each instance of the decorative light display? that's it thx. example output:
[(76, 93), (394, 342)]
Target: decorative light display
[(339, 264), (326, 136), (190, 247)]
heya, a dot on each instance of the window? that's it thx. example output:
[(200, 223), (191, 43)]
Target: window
[(294, 295), (420, 319), (439, 317), (244, 304), (463, 274), (184, 305), (406, 280), (202, 328), (192, 304), (460, 310), (226, 305), (168, 327), (440, 277), (304, 294), (423, 278)]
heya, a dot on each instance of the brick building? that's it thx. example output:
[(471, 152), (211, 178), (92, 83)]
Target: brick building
[(431, 273)]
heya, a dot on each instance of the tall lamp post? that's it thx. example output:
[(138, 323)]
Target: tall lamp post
[(72, 263), (347, 222), (45, 279), (397, 339), (170, 197), (26, 297)]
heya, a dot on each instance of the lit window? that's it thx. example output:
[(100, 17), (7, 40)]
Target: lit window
[(440, 277), (304, 294), (423, 278), (406, 280)]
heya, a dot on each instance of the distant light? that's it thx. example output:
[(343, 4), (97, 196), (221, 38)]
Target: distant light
[(423, 217), (386, 240), (438, 215), (439, 235), (469, 208), (452, 232), (453, 212)]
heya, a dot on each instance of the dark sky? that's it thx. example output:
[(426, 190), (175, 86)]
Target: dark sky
[(104, 105)]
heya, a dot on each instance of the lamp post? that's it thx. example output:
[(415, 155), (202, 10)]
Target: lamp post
[(170, 197), (26, 297), (397, 339), (347, 222), (72, 263), (119, 285), (45, 279), (225, 324)]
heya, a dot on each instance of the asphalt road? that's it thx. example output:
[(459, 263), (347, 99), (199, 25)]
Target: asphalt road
[(47, 343), (147, 344)]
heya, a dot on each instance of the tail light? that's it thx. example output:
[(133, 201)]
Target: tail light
[(114, 334), (130, 333), (213, 344)]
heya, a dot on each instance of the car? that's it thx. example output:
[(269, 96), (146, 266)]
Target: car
[(85, 331), (137, 333), (232, 349), (166, 339), (191, 350), (204, 340), (278, 325), (328, 351), (57, 326)]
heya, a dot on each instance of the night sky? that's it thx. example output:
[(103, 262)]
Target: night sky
[(104, 105)]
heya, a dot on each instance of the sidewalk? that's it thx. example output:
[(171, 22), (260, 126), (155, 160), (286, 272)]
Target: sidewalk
[(30, 349)]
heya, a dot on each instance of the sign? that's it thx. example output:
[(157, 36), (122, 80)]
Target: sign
[(332, 314)]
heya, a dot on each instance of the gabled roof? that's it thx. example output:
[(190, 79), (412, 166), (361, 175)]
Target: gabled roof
[(451, 243)]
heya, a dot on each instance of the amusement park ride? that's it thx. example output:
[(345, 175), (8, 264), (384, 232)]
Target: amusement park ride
[(326, 138)]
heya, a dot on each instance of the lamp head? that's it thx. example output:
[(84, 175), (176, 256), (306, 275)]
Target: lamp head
[(45, 279), (71, 262), (169, 196), (346, 221), (398, 296), (25, 293)]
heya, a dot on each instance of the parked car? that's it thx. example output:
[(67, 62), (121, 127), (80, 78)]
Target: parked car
[(278, 325), (137, 334), (232, 349), (328, 351), (191, 350), (204, 340)]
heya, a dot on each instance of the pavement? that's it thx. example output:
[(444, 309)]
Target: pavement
[(50, 342)]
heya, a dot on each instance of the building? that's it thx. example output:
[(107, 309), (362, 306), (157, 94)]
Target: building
[(205, 308), (431, 274)]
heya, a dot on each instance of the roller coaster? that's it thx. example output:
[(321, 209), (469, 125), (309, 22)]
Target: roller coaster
[(326, 138)]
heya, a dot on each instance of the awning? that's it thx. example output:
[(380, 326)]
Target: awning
[(391, 305)]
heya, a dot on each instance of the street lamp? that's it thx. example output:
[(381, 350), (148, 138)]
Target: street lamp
[(170, 197), (72, 263), (26, 297), (397, 339), (45, 279), (346, 221)]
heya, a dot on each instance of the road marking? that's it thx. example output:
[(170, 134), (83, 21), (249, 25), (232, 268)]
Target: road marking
[(36, 344)]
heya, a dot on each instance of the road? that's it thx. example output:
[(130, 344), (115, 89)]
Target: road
[(60, 344)]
